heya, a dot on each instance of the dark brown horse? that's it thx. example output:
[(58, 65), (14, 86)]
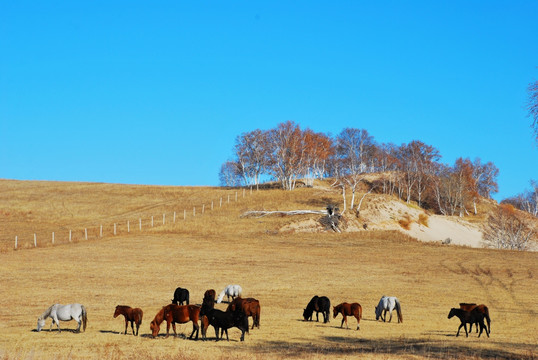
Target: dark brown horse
[(481, 308), (209, 295), (468, 317), (134, 316), (346, 309), (173, 314), (249, 307)]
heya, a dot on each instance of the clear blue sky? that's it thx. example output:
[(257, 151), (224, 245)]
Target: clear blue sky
[(155, 92)]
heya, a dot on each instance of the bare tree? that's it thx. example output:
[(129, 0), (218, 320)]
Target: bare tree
[(354, 149), (251, 151), (287, 157), (532, 107), (508, 230), (229, 174)]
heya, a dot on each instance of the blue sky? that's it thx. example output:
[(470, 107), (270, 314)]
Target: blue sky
[(155, 92)]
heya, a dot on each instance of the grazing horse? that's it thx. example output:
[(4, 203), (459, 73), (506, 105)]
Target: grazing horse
[(482, 308), (173, 314), (180, 295), (468, 317), (346, 309), (224, 320), (134, 316), (230, 290), (67, 312), (249, 307), (388, 303), (318, 304)]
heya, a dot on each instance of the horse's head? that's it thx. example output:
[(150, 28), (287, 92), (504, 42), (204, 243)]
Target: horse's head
[(154, 327), (335, 312), (117, 312), (377, 312), (452, 313), (40, 324), (306, 315)]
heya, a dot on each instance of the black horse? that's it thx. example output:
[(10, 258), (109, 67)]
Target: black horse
[(224, 320), (469, 317), (318, 304), (180, 295)]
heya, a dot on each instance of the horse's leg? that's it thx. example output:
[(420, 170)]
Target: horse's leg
[(174, 328), (216, 333), (390, 312), (132, 327), (167, 329), (196, 328), (126, 324), (459, 328), (358, 322), (55, 320), (342, 323)]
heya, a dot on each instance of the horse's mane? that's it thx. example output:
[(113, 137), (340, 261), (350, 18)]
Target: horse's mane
[(159, 318), (46, 313)]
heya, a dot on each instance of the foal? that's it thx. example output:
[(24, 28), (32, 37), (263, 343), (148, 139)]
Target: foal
[(134, 316)]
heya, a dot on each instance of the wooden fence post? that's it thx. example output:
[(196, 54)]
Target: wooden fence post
[(211, 204), (140, 223), (86, 233), (228, 198), (151, 220), (236, 196), (35, 240), (114, 228), (163, 218), (174, 217), (128, 226), (184, 214), (194, 211), (203, 208), (69, 235), (16, 240), (221, 201), (101, 231), (53, 238)]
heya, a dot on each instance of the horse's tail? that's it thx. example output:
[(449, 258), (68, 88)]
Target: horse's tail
[(486, 313), (84, 317), (399, 310)]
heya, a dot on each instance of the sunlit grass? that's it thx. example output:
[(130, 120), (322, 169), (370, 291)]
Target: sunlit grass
[(282, 270)]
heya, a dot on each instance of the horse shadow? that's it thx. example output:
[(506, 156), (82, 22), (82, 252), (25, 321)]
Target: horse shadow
[(111, 332), (73, 331)]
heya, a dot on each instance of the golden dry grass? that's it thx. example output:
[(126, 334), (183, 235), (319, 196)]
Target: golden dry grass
[(282, 270)]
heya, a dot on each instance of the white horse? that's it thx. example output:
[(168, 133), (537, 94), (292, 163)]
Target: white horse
[(230, 290), (388, 303), (68, 312)]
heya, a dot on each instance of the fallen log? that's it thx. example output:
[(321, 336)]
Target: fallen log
[(262, 213)]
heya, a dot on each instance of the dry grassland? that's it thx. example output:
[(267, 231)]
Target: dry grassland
[(282, 270)]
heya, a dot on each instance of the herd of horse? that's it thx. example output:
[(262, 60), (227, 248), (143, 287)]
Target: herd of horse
[(240, 309)]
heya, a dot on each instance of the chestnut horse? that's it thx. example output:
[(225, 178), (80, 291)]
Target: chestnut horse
[(249, 307), (346, 309), (173, 314), (481, 308), (134, 316)]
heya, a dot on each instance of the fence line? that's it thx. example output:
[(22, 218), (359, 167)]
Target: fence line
[(115, 231)]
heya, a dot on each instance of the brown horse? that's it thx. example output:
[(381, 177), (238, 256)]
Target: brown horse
[(480, 308), (209, 295), (134, 316), (346, 309), (249, 307), (173, 314)]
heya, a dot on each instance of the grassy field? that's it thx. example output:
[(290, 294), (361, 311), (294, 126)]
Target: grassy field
[(283, 270)]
